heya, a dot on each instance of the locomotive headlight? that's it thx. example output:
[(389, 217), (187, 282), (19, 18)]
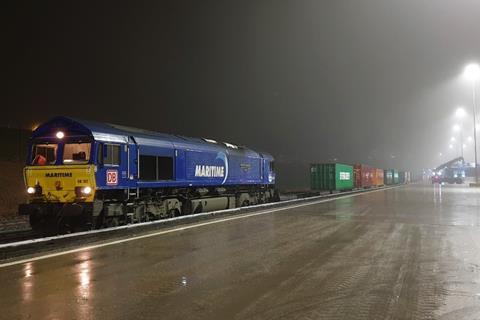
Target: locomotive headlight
[(60, 134), (86, 190), (31, 190), (82, 192)]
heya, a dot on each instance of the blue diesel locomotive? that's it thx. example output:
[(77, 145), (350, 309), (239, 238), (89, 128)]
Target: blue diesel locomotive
[(83, 174)]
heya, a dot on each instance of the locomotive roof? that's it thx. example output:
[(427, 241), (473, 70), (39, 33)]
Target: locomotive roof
[(108, 132)]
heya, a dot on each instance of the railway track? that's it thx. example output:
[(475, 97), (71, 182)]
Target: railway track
[(7, 237), (17, 235)]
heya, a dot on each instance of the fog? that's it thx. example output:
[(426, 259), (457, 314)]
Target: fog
[(369, 81)]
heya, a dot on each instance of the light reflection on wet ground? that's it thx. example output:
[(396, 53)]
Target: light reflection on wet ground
[(412, 252)]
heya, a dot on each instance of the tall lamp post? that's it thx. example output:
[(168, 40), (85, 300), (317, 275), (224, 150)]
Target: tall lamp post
[(457, 128), (472, 73), (460, 114)]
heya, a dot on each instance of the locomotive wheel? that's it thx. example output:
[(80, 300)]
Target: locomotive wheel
[(111, 223), (199, 208), (245, 203), (172, 213), (63, 227)]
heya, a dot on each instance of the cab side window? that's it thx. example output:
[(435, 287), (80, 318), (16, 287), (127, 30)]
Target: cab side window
[(109, 154)]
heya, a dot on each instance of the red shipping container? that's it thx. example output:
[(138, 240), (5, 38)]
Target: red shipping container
[(363, 176)]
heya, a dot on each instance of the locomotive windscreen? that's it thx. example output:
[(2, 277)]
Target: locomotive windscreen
[(44, 154), (76, 153)]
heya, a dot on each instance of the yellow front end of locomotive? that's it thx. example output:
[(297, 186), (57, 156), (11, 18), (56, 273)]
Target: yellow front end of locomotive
[(60, 184)]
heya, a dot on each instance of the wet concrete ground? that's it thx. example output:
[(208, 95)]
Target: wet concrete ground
[(406, 253)]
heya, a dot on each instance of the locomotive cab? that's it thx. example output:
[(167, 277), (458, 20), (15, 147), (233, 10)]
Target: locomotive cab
[(60, 177), (61, 171)]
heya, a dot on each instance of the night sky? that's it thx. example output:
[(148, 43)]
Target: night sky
[(373, 81)]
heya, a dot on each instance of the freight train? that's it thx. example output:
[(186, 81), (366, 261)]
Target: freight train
[(83, 175), (342, 177)]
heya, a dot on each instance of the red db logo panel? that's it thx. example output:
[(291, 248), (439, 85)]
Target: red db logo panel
[(112, 177)]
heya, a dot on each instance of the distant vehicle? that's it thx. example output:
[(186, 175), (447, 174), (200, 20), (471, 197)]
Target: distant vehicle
[(452, 172), (452, 180), (436, 178), (82, 174)]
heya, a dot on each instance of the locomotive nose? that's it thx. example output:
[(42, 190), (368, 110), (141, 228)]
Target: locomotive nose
[(67, 183)]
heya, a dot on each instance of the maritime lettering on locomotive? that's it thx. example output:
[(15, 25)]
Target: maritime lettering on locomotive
[(209, 171), (58, 175)]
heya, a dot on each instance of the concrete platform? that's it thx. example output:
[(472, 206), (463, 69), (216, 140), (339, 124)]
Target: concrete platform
[(406, 253)]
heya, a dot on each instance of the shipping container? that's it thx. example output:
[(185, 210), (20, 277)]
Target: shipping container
[(378, 177), (407, 177), (402, 177), (363, 176), (331, 176), (395, 177), (388, 177)]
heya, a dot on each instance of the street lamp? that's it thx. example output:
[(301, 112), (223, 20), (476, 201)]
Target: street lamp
[(472, 73), (460, 113)]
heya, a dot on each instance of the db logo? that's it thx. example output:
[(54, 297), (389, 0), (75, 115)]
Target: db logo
[(112, 177)]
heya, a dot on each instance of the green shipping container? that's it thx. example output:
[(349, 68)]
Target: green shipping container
[(391, 177), (331, 176), (396, 179), (388, 177)]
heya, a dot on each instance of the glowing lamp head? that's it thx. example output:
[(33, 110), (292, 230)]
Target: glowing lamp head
[(60, 135), (456, 128), (460, 113), (86, 190), (30, 190), (472, 72)]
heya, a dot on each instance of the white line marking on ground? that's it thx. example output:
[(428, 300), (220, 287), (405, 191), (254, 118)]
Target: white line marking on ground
[(243, 216)]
